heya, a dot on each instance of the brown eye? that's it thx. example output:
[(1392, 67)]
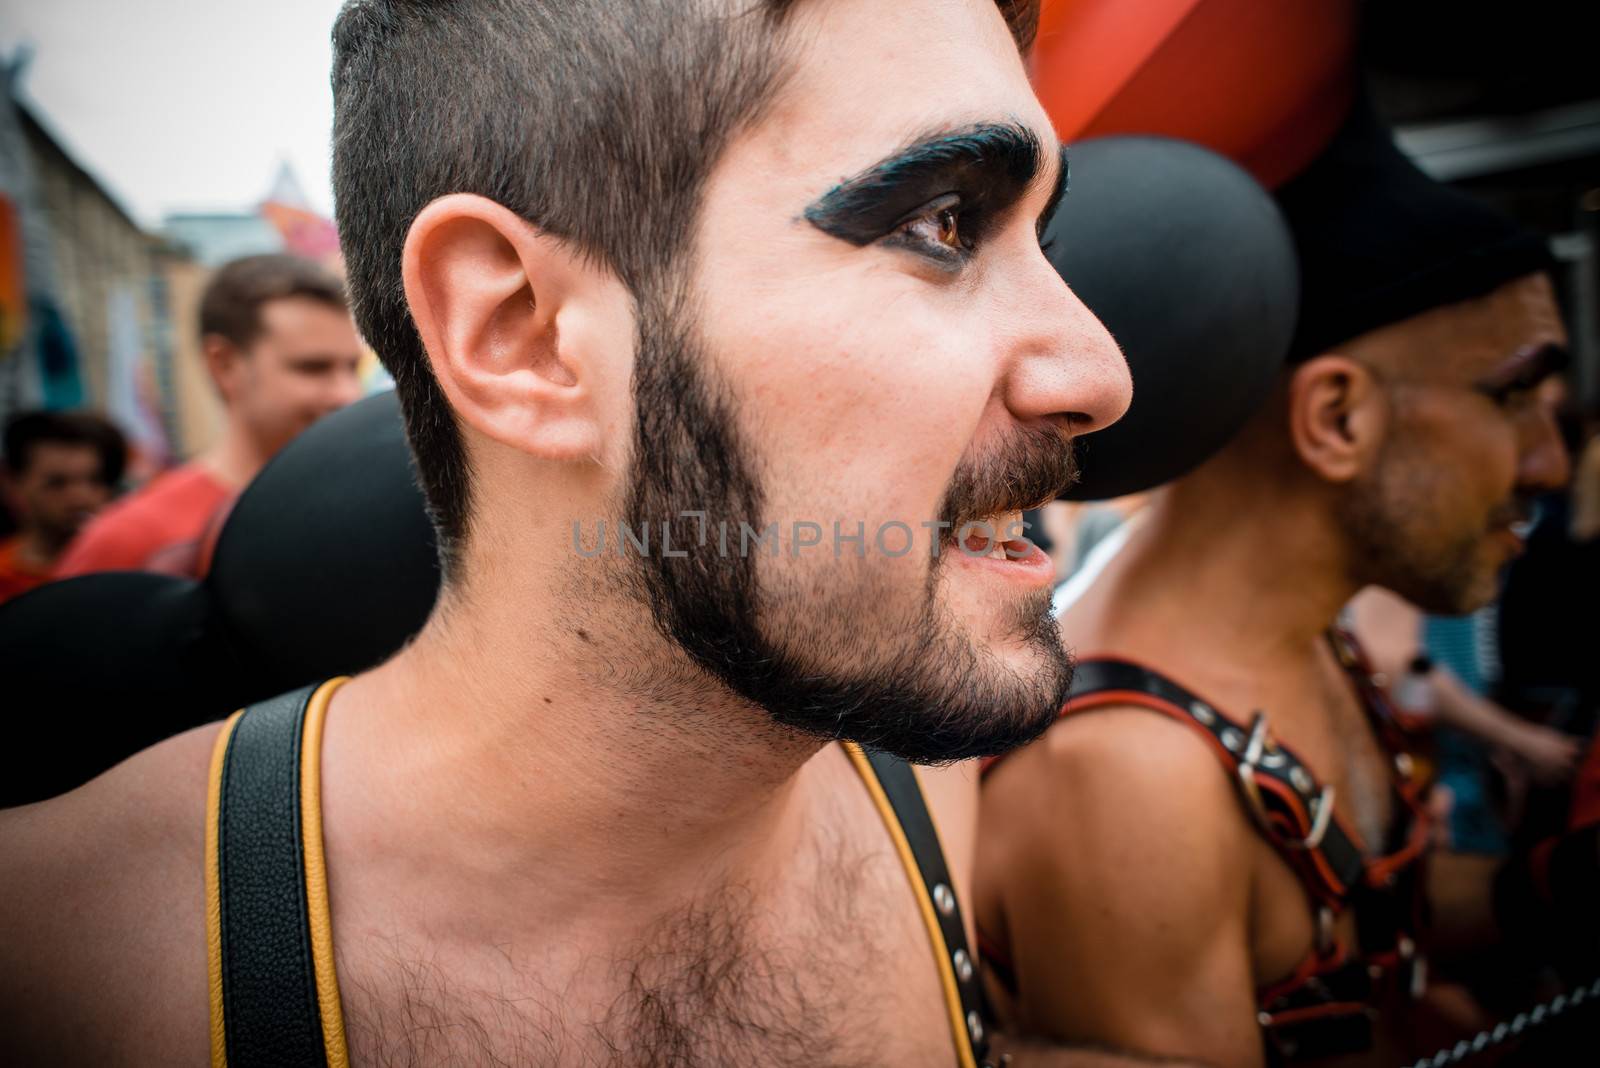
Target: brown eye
[(941, 229)]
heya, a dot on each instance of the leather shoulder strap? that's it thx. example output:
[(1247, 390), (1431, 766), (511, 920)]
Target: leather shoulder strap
[(894, 789), (267, 1006), (1293, 812)]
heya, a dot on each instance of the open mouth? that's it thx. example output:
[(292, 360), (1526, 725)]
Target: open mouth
[(996, 537)]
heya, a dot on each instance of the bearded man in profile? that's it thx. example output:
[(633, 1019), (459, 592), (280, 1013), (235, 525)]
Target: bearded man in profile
[(659, 267)]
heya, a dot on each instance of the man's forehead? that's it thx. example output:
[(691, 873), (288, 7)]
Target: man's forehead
[(64, 453), (1519, 318), (1475, 339), (867, 78)]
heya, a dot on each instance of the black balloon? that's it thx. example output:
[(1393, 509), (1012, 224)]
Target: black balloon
[(324, 567), (1189, 264)]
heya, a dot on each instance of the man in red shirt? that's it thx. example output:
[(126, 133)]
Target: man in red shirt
[(279, 343), (58, 472)]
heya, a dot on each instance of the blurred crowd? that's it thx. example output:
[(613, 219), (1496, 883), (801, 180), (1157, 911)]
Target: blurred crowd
[(281, 349)]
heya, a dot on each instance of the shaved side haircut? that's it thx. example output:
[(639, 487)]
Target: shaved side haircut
[(595, 121)]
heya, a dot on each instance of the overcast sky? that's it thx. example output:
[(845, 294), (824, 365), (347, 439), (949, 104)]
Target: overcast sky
[(182, 104)]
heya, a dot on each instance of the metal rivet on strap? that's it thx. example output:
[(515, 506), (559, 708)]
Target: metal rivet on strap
[(963, 965), (944, 899), (975, 1026), (1202, 712), (1264, 1019), (1325, 933), (1232, 739), (1301, 780), (1403, 764)]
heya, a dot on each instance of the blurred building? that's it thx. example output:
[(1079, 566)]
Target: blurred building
[(95, 311), (88, 311)]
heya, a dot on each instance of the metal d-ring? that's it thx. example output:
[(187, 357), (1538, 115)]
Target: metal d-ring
[(1255, 745), (1319, 822), (1250, 762)]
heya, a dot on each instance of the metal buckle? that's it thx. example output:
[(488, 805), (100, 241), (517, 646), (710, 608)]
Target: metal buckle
[(1250, 763)]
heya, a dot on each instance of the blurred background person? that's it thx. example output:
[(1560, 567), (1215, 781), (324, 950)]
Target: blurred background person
[(1548, 630), (1443, 672), (59, 470), (280, 346)]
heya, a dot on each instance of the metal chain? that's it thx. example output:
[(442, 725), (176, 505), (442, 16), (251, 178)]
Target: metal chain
[(1518, 1025)]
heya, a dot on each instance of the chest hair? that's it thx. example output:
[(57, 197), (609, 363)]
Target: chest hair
[(721, 981)]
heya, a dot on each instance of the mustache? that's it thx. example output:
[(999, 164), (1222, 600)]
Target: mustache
[(1032, 467)]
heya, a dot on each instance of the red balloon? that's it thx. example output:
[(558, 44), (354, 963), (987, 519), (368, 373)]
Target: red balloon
[(1263, 82)]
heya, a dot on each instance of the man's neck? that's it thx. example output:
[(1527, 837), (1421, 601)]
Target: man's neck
[(507, 729), (235, 459), (1246, 576)]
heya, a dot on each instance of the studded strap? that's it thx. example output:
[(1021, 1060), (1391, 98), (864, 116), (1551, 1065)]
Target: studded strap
[(1291, 809), (904, 796)]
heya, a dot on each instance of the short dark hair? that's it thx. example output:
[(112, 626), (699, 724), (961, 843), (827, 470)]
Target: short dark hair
[(26, 430), (231, 303), (596, 123)]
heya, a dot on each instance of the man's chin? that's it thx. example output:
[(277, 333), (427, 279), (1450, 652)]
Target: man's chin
[(1000, 707)]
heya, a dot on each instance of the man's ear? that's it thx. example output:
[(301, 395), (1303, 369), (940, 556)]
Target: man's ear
[(1338, 416), (225, 362), (507, 314)]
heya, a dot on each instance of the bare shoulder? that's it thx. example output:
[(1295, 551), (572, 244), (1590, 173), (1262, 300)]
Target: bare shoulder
[(1119, 801), (102, 915), (1114, 864), (1116, 764)]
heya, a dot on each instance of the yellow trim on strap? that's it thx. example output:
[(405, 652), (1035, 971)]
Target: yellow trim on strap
[(219, 1033), (321, 922), (930, 919)]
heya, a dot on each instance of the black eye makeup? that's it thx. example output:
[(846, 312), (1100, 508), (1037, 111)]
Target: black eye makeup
[(940, 196)]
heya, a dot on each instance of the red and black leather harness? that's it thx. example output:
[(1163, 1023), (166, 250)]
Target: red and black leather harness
[(1328, 1004)]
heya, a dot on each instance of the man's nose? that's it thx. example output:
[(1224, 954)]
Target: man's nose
[(87, 495), (1067, 363), (346, 390), (1544, 464)]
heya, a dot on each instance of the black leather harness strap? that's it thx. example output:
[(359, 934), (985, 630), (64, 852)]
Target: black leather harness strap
[(270, 1012), (1293, 811), (266, 1009), (1327, 1007), (899, 783)]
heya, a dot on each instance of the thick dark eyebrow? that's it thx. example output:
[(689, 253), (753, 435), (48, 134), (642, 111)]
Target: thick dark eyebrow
[(1525, 368), (990, 165)]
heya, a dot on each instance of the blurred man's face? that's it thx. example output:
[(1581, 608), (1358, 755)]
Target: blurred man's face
[(1474, 440), (873, 337), (301, 367), (61, 489)]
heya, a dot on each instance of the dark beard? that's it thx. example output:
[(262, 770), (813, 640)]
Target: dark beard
[(1383, 520), (919, 688)]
